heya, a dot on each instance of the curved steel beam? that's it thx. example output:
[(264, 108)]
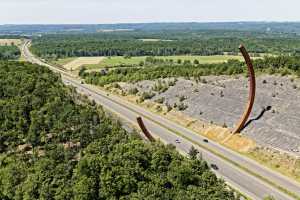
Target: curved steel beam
[(145, 130), (252, 89)]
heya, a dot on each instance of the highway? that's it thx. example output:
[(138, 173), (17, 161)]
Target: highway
[(241, 173)]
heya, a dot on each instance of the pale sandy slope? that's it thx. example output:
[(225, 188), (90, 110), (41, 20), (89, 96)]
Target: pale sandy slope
[(78, 62)]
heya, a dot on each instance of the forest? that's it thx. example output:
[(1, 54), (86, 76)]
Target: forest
[(189, 42), (36, 29), (56, 144), (154, 68), (9, 53)]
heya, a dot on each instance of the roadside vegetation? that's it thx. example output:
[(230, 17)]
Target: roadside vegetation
[(55, 144)]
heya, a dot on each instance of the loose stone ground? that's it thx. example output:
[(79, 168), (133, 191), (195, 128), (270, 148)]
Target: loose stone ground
[(221, 100)]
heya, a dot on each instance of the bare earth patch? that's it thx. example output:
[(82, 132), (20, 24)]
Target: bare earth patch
[(78, 62)]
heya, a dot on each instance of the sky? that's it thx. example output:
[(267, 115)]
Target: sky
[(135, 11)]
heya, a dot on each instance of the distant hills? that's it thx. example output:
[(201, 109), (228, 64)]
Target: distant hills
[(273, 27)]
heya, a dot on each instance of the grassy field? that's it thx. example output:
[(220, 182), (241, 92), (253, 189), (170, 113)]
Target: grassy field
[(100, 62), (118, 60)]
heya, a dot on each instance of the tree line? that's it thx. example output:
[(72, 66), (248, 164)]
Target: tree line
[(55, 144), (168, 43), (154, 68)]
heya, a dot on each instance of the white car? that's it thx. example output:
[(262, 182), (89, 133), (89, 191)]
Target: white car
[(177, 141)]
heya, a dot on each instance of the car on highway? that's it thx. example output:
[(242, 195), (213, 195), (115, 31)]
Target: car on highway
[(214, 166), (295, 150), (205, 140), (177, 141)]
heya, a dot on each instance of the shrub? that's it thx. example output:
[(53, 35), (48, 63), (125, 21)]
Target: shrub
[(160, 87), (172, 83), (82, 71), (158, 108), (142, 63), (147, 95), (182, 106), (221, 94), (116, 85), (204, 81), (160, 100), (196, 62), (182, 98), (133, 91), (169, 107)]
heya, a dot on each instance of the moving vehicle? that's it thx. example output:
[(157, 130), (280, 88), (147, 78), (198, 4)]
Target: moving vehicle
[(205, 140), (214, 166)]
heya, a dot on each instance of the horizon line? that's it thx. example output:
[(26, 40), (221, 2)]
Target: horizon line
[(158, 22)]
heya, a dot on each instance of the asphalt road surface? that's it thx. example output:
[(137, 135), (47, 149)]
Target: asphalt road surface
[(243, 174)]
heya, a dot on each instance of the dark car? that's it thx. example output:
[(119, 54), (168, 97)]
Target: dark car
[(205, 140), (214, 166)]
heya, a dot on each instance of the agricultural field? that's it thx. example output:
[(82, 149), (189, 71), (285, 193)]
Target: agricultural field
[(100, 62), (75, 63), (10, 42), (64, 61)]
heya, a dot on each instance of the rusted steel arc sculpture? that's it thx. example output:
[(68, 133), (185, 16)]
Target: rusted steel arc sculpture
[(252, 89), (145, 130)]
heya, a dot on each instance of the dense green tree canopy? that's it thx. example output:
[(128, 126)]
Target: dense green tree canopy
[(54, 144), (9, 53), (166, 43)]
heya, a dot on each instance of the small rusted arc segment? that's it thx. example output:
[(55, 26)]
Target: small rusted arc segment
[(252, 89), (145, 130)]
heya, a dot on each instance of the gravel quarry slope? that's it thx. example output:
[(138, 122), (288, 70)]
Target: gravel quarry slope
[(221, 99)]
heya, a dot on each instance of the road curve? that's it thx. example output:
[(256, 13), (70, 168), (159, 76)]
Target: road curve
[(246, 181)]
